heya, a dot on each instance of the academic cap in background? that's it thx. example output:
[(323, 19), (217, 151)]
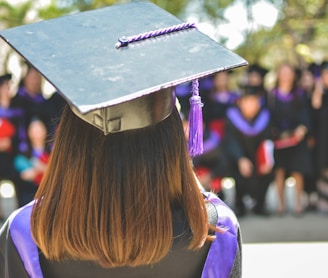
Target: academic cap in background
[(5, 77), (119, 88), (257, 69), (250, 90)]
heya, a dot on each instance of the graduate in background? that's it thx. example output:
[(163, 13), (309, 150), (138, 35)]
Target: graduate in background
[(31, 164), (320, 103), (290, 124), (248, 143), (7, 133), (220, 98), (310, 82), (11, 127)]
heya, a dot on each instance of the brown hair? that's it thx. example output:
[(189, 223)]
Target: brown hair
[(109, 198)]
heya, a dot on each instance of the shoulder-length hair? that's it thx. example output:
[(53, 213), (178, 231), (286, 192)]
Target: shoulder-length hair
[(109, 198)]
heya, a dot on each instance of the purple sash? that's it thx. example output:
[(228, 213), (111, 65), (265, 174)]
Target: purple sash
[(223, 250), (219, 262), (261, 121)]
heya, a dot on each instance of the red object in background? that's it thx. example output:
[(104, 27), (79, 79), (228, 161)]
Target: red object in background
[(44, 158), (215, 183), (217, 126), (264, 156), (7, 129)]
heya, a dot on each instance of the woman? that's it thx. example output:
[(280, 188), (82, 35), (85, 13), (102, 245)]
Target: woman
[(11, 118), (248, 140), (291, 124), (119, 206), (119, 197), (30, 165)]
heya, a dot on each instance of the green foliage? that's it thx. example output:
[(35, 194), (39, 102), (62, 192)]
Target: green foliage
[(12, 16), (215, 8), (53, 11), (298, 35)]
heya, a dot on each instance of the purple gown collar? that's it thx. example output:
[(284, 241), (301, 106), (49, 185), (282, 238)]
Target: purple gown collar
[(219, 262), (250, 129), (225, 97), (38, 98), (20, 233), (286, 97), (11, 112)]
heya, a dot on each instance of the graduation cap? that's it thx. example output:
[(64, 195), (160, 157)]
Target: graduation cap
[(117, 66), (257, 69), (5, 77), (250, 90)]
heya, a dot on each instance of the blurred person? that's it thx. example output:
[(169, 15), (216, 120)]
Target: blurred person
[(322, 106), (7, 132), (119, 196), (209, 165), (8, 115), (310, 82), (248, 142), (320, 103), (290, 123), (30, 99), (255, 75), (11, 118), (31, 164), (217, 102)]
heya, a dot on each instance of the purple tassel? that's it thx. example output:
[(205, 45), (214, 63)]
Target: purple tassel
[(195, 122)]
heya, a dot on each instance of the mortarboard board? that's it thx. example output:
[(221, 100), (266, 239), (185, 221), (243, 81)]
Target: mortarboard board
[(118, 88)]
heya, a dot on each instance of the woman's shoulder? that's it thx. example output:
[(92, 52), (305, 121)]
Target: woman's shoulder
[(17, 223), (224, 214)]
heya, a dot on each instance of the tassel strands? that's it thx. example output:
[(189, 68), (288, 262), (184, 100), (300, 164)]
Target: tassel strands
[(195, 143)]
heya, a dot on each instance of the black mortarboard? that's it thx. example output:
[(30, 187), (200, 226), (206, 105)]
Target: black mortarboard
[(258, 69), (5, 77), (119, 88), (249, 90)]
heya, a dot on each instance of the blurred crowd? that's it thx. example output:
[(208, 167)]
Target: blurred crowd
[(260, 133), (256, 134), (27, 123)]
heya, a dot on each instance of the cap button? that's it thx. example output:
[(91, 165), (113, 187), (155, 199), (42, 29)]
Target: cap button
[(122, 41)]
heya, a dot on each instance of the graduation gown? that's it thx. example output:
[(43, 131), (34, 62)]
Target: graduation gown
[(289, 112), (243, 139), (20, 257)]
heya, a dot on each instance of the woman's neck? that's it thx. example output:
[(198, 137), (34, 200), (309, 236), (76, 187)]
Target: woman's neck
[(285, 88)]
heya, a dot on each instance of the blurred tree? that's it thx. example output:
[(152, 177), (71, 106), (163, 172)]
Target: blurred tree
[(14, 15), (299, 36)]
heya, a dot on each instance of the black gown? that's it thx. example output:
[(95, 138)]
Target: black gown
[(243, 139), (288, 112)]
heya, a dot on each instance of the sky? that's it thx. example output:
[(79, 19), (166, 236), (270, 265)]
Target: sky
[(264, 16)]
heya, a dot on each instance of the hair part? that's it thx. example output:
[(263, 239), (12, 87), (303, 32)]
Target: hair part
[(109, 198)]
